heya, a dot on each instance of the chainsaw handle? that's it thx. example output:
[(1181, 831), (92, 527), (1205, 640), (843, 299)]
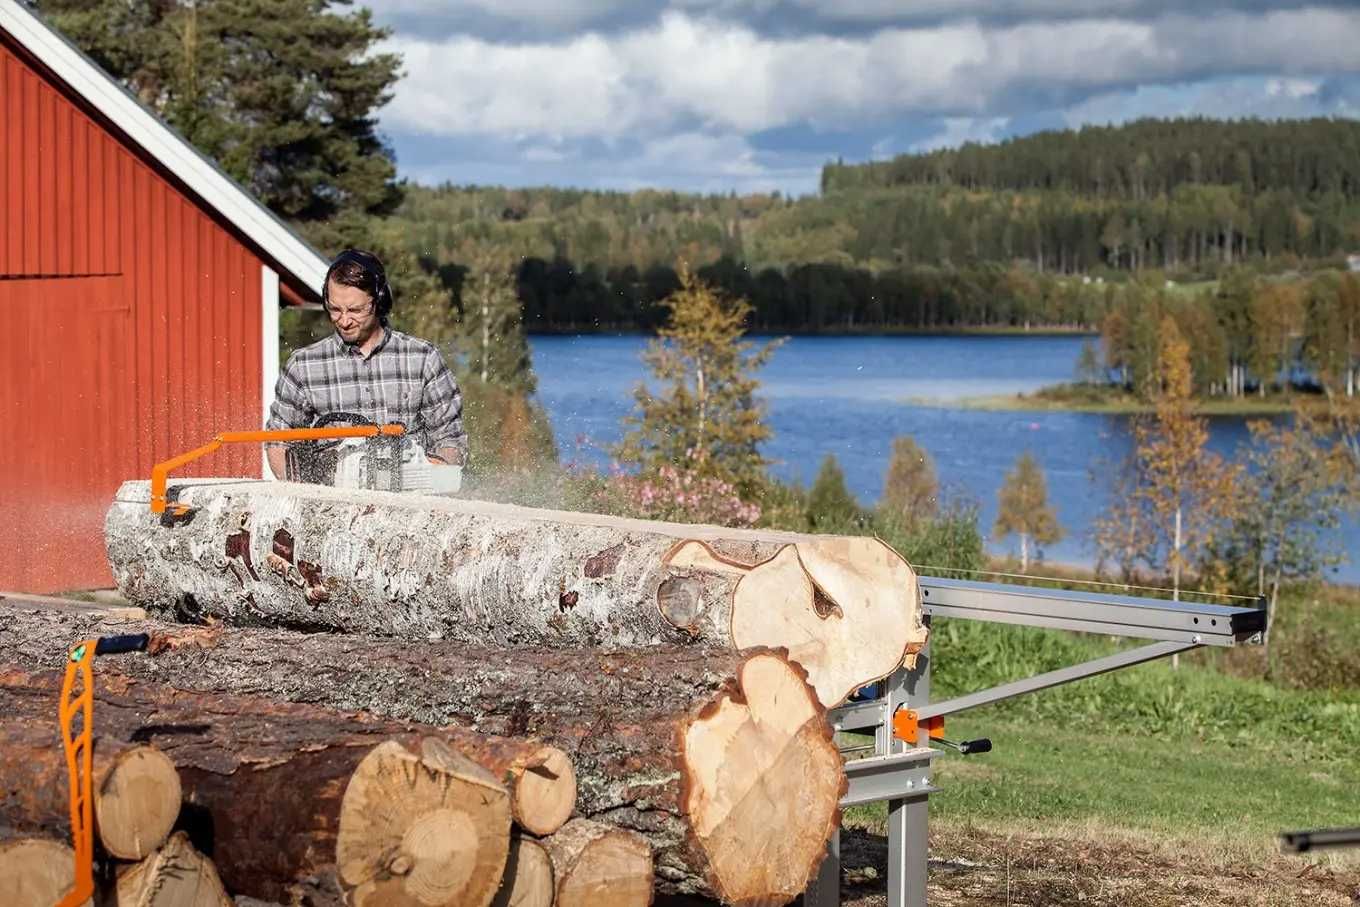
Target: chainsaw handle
[(121, 645)]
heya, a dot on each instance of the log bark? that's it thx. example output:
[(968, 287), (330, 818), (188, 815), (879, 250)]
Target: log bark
[(264, 782), (317, 558), (621, 716), (35, 872), (598, 865), (175, 875)]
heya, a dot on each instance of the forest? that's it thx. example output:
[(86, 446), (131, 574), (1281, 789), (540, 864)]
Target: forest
[(1025, 233)]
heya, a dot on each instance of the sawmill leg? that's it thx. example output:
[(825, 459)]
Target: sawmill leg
[(825, 890), (907, 818)]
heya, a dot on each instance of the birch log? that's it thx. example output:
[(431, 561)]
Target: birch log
[(267, 789), (722, 760), (318, 558)]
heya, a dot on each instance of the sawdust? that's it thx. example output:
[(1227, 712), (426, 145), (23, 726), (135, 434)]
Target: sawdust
[(1029, 867)]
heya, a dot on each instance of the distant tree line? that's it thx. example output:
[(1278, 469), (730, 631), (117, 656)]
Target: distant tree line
[(557, 295), (1249, 333)]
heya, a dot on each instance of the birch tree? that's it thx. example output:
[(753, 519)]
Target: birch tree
[(1024, 510)]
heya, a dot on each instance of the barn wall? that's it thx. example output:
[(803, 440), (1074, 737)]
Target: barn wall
[(135, 321)]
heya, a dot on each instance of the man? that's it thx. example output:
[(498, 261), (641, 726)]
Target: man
[(368, 369)]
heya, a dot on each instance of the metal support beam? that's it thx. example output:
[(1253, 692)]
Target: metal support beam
[(1092, 612), (1054, 678)]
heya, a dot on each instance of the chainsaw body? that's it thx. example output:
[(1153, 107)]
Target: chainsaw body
[(380, 463)]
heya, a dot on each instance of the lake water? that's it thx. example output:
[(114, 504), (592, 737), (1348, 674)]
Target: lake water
[(850, 396)]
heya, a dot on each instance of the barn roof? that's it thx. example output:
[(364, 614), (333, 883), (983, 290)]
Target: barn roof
[(292, 255)]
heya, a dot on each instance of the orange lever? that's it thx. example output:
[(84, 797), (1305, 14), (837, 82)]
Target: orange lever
[(907, 726), (160, 473), (79, 759)]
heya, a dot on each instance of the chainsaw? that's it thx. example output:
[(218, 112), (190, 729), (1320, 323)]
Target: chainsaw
[(363, 455), (382, 462)]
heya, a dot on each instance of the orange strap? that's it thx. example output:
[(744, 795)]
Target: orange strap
[(79, 760)]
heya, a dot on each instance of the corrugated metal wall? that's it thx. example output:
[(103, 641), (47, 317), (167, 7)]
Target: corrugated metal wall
[(133, 323)]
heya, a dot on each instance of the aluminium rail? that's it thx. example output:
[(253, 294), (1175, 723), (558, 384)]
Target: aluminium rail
[(901, 774)]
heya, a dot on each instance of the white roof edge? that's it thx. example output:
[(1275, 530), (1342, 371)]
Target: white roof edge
[(216, 190)]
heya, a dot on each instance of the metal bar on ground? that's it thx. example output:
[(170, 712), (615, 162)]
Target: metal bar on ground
[(1038, 682)]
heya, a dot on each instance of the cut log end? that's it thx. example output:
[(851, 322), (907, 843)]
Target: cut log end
[(763, 781), (176, 875), (528, 876), (847, 609), (597, 865), (136, 802), (545, 792), (35, 872), (422, 830)]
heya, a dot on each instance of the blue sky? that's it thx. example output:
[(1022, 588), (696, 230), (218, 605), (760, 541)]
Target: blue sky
[(755, 95)]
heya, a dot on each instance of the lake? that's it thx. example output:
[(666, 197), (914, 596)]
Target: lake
[(850, 396)]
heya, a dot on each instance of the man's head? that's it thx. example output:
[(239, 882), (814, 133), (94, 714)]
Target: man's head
[(356, 295)]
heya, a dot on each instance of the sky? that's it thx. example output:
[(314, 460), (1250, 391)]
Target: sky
[(756, 95)]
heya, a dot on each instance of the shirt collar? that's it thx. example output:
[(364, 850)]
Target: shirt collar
[(354, 350)]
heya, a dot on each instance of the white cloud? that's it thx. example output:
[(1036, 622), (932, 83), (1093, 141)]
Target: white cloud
[(684, 72)]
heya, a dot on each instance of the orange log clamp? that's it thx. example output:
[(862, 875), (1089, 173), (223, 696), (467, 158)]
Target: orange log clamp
[(907, 726), (160, 473)]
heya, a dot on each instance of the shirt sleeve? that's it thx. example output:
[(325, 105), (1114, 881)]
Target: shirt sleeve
[(441, 406), (291, 408)]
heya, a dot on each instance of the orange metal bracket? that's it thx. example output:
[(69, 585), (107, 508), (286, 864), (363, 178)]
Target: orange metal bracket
[(907, 726), (160, 473), (79, 759)]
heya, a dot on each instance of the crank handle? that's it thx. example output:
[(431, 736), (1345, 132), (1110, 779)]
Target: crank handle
[(967, 747)]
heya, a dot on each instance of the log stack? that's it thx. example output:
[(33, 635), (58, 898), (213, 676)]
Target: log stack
[(365, 698)]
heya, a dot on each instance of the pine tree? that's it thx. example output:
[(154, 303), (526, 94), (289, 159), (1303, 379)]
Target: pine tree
[(1024, 510), (280, 93), (911, 491), (705, 416), (830, 506)]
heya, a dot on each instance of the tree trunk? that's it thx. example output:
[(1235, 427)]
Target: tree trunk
[(36, 872), (176, 875), (1024, 552), (598, 865), (646, 730), (311, 557), (269, 789)]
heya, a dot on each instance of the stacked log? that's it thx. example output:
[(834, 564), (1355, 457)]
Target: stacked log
[(678, 745), (316, 558), (293, 803)]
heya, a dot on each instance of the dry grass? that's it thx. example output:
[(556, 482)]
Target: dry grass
[(1026, 864)]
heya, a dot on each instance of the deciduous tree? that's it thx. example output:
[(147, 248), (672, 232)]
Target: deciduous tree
[(705, 410), (1023, 508), (911, 490)]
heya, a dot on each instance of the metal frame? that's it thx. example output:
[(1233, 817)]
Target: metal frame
[(901, 775)]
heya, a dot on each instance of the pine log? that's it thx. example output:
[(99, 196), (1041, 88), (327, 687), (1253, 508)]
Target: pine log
[(317, 558), (598, 865), (136, 801), (528, 876), (35, 872), (264, 785), (621, 716), (176, 875)]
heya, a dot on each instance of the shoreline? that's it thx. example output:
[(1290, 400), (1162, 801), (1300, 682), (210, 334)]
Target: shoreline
[(1034, 403)]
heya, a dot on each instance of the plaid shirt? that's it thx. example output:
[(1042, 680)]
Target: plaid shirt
[(403, 380)]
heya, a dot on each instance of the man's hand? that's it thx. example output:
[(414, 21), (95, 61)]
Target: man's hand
[(277, 455), (446, 456)]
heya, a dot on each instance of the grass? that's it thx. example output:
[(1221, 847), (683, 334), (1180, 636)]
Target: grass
[(1201, 753)]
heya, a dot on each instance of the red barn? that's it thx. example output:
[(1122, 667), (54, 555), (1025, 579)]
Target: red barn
[(139, 298)]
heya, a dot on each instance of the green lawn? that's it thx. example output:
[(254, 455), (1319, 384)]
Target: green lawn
[(1199, 753)]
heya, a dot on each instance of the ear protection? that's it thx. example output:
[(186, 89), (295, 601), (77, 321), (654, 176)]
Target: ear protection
[(373, 268)]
